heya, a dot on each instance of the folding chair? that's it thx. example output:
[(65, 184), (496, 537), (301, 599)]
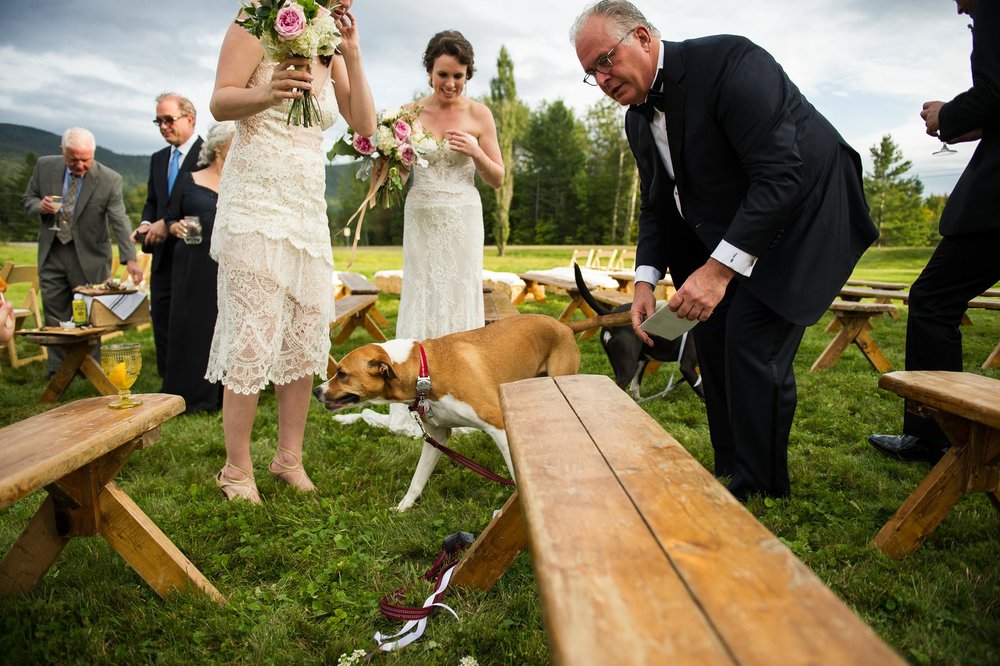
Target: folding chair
[(31, 307)]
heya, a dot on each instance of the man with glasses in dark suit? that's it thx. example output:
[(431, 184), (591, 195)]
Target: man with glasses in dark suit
[(175, 117), (751, 199)]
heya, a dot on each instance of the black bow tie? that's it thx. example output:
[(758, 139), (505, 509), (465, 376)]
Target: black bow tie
[(654, 99)]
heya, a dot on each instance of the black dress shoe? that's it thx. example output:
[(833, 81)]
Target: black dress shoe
[(907, 448)]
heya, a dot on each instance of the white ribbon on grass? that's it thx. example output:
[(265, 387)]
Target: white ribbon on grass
[(416, 627)]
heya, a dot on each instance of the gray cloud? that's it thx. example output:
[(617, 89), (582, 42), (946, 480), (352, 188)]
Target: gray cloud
[(867, 65)]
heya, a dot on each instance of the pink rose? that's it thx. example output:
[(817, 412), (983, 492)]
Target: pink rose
[(363, 145), (407, 155), (290, 22), (402, 130)]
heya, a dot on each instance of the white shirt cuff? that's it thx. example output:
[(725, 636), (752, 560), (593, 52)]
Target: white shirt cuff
[(647, 274), (735, 258)]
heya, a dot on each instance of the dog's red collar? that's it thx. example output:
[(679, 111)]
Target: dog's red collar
[(420, 404)]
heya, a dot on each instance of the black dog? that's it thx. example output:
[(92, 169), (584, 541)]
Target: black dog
[(629, 355)]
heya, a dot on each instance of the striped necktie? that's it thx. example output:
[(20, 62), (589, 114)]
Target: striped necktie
[(65, 233)]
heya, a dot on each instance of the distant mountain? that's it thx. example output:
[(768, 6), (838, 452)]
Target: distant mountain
[(18, 140)]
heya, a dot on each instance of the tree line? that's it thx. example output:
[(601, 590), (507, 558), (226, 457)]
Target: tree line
[(569, 181)]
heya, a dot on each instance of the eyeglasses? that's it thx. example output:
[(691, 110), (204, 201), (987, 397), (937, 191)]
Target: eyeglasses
[(603, 64), (167, 120)]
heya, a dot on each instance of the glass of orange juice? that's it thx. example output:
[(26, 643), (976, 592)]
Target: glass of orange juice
[(121, 363)]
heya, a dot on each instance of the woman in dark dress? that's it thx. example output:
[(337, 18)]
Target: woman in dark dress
[(193, 308)]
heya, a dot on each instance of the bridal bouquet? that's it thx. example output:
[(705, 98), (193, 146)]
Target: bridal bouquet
[(293, 29), (399, 142)]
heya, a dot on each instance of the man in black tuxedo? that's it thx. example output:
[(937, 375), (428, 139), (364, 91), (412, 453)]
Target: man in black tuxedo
[(175, 116), (751, 199), (965, 262)]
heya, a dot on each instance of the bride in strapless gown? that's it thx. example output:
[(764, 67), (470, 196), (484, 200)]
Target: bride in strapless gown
[(443, 215)]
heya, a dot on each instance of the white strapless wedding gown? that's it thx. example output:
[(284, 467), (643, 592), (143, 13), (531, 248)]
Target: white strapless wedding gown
[(442, 263), (272, 242)]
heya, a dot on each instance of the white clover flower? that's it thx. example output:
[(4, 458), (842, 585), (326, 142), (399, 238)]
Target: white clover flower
[(349, 659), (468, 661)]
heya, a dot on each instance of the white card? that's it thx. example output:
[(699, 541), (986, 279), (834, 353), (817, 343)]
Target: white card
[(667, 324)]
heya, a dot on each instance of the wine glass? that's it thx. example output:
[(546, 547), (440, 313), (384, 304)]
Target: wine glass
[(944, 150), (122, 363), (57, 204)]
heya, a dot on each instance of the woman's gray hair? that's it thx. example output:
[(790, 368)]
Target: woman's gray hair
[(219, 135), (622, 17)]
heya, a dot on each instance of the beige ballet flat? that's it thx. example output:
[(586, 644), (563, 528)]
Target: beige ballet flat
[(244, 488), (294, 475)]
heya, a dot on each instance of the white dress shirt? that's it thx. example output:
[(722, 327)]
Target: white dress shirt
[(725, 253)]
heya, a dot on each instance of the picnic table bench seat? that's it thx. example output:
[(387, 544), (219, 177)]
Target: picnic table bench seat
[(74, 452), (496, 305), (640, 555), (353, 311), (967, 407)]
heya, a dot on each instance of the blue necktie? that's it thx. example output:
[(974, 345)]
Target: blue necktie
[(175, 163)]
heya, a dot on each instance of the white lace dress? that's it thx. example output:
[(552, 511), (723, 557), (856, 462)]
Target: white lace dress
[(272, 243), (442, 261)]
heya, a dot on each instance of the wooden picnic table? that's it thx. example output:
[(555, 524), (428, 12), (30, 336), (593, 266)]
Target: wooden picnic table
[(534, 283), (496, 305), (967, 407), (79, 343), (74, 452), (853, 321), (626, 282), (876, 284), (356, 284), (640, 555)]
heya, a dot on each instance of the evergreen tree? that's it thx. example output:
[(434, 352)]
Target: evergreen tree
[(510, 115), (15, 223), (549, 189), (896, 199)]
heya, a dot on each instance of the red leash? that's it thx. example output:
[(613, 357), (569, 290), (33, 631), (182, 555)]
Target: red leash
[(421, 408)]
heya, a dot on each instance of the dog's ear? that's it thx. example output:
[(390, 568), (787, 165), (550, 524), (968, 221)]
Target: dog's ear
[(382, 368)]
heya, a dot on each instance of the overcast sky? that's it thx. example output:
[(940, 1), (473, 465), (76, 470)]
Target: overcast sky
[(867, 65)]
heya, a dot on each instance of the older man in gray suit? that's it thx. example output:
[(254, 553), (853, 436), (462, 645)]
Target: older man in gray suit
[(80, 251)]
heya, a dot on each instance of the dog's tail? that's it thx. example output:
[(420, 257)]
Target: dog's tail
[(613, 319), (585, 292)]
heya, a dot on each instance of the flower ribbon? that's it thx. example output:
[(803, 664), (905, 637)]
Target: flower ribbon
[(380, 172)]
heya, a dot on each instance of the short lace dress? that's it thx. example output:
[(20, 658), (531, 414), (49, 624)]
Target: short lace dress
[(272, 243)]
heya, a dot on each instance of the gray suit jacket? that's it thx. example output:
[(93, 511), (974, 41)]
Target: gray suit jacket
[(99, 204)]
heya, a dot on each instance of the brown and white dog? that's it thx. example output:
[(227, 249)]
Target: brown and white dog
[(466, 370)]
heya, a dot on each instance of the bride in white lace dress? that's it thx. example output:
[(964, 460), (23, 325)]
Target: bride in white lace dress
[(443, 216), (272, 242)]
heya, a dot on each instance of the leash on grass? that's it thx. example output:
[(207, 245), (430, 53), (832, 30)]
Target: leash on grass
[(416, 616), (670, 382), (421, 407)]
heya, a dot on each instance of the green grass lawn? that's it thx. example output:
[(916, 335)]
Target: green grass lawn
[(303, 574)]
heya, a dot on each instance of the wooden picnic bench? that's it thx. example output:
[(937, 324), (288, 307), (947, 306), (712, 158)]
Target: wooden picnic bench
[(496, 305), (876, 284), (79, 343), (854, 321), (74, 451), (353, 311), (967, 407), (641, 556), (356, 284)]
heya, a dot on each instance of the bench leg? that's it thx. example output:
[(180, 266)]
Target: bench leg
[(872, 351), (495, 549), (965, 468), (850, 327), (92, 370), (993, 359), (33, 553), (146, 548), (346, 329), (379, 317), (371, 326), (64, 375)]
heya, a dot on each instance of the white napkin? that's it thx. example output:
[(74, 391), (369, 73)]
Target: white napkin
[(122, 305)]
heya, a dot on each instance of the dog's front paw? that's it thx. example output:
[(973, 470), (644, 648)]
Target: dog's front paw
[(405, 503)]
